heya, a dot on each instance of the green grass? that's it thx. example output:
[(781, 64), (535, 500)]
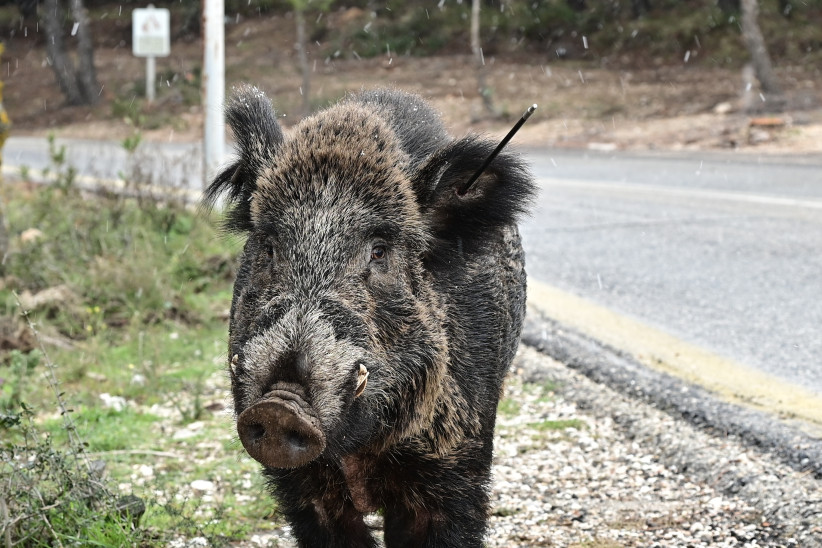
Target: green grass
[(146, 287), (557, 425), (105, 429), (509, 407)]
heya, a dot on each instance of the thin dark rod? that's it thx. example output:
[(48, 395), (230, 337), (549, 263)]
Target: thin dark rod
[(467, 186)]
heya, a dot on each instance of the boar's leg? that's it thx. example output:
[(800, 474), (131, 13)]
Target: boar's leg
[(456, 523), (439, 503), (348, 530), (315, 502)]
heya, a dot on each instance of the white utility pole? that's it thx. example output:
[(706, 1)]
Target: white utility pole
[(213, 86)]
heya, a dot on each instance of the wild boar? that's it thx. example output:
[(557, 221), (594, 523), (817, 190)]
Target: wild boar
[(377, 308)]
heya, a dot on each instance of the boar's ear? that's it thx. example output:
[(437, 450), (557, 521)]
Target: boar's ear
[(252, 120), (500, 195)]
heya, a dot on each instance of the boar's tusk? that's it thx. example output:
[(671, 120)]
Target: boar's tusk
[(362, 380), (234, 360)]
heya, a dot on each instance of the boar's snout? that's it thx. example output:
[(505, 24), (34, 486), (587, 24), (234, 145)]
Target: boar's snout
[(281, 430)]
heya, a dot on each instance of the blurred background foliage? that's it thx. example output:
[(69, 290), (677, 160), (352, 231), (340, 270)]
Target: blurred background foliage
[(629, 32)]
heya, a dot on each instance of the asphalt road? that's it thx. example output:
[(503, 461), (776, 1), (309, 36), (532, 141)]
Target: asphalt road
[(721, 251)]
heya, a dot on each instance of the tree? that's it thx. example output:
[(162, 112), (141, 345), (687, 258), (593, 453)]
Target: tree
[(78, 84), (5, 125), (300, 7), (640, 8), (476, 50), (760, 59)]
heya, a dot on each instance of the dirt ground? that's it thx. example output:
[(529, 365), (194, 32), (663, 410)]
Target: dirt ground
[(674, 106)]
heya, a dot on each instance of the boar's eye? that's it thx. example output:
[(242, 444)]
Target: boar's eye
[(269, 251), (378, 253)]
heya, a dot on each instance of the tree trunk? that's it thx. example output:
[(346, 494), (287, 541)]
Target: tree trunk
[(5, 126), (476, 49), (729, 6), (640, 8), (302, 57), (79, 86), (86, 74), (759, 55), (56, 52)]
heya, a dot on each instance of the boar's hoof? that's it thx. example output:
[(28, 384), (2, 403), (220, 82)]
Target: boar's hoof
[(280, 431)]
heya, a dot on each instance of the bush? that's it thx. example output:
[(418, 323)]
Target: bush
[(55, 496)]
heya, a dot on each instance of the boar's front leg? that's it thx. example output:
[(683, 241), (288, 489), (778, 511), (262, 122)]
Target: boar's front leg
[(440, 503), (314, 500)]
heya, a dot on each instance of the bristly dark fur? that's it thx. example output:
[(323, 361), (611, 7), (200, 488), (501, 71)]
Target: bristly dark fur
[(417, 126), (254, 124), (497, 199), (361, 256)]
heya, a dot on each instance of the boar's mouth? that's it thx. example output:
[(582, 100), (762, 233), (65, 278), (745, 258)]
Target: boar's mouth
[(281, 430)]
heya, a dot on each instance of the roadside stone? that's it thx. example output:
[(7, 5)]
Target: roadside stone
[(189, 431), (138, 379), (145, 471), (31, 235), (203, 486), (116, 403)]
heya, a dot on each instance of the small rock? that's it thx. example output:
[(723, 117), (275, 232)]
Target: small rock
[(133, 506), (145, 471), (204, 486), (96, 377), (31, 235), (117, 403), (183, 434), (215, 406), (52, 296)]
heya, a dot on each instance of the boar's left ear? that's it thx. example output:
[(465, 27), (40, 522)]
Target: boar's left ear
[(501, 194), (252, 120)]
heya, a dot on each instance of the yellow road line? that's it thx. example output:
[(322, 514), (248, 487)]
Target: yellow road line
[(729, 380)]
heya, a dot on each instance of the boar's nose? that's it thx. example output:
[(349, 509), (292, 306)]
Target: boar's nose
[(281, 430)]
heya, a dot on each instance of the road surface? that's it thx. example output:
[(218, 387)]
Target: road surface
[(721, 251)]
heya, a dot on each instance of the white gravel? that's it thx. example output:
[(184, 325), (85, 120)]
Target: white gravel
[(578, 465), (634, 476)]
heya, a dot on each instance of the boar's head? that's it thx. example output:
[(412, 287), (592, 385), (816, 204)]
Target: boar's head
[(339, 339)]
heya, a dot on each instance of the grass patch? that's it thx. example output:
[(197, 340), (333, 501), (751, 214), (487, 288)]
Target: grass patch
[(104, 429), (557, 425), (128, 297), (509, 407)]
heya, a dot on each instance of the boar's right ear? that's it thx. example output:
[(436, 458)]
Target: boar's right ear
[(499, 196), (252, 120)]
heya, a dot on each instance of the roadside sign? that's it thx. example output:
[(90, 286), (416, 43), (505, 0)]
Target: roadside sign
[(151, 32)]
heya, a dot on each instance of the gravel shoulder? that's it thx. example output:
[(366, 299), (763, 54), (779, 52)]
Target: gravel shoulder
[(634, 475)]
